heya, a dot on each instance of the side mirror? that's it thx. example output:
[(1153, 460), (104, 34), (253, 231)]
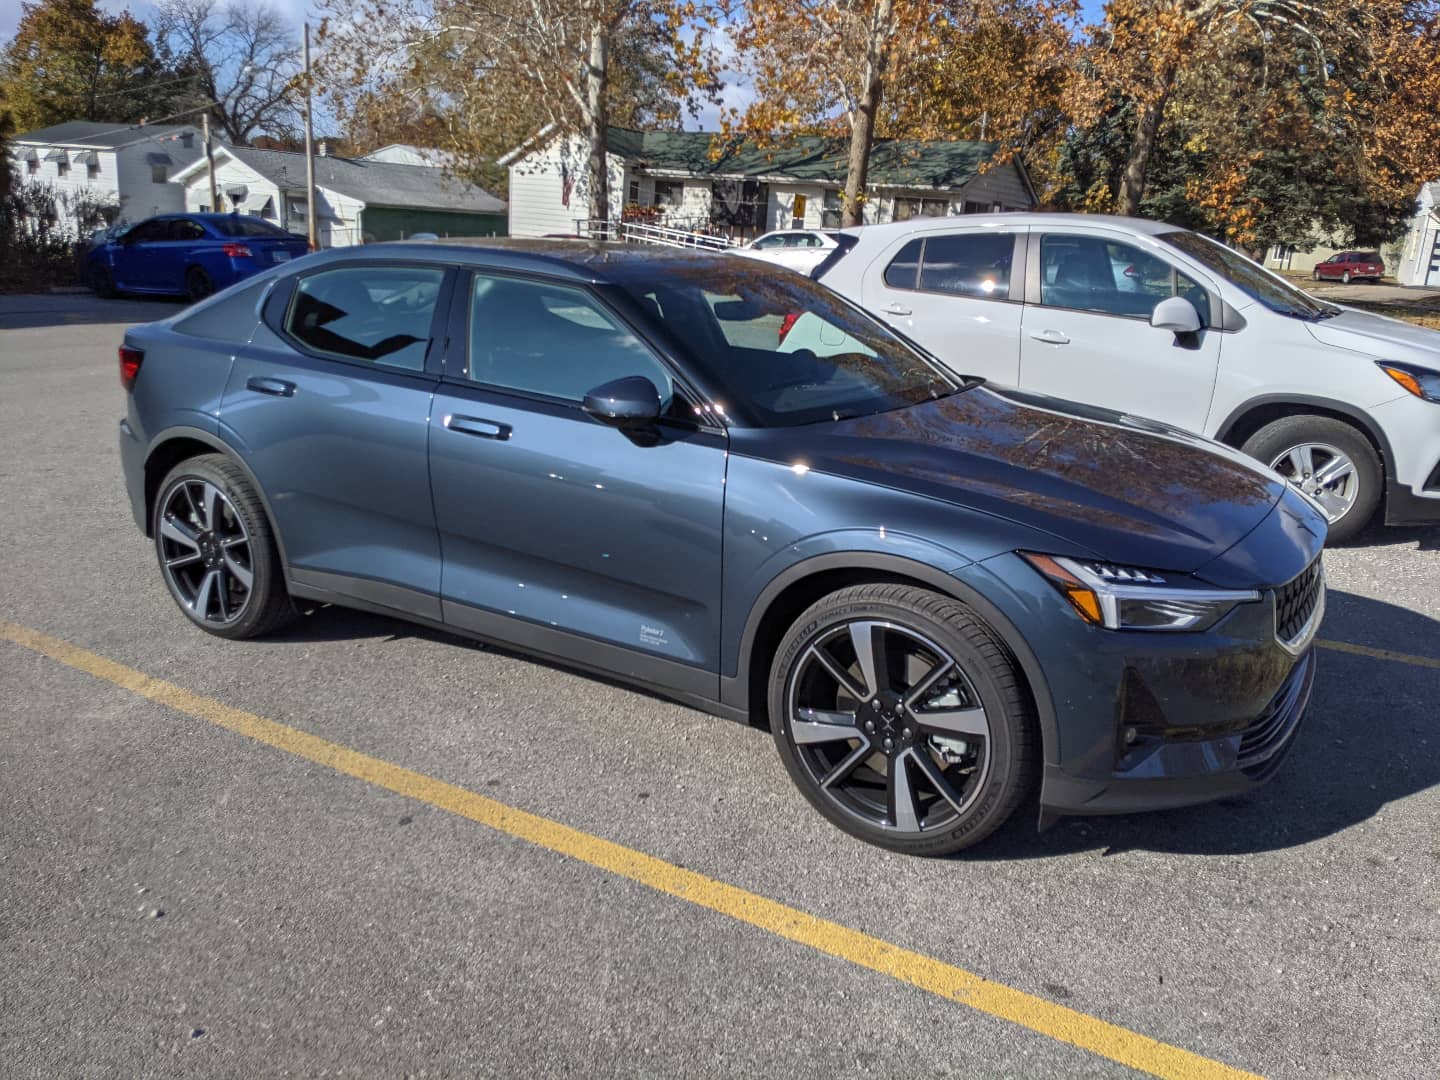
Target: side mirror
[(623, 402), (1175, 314)]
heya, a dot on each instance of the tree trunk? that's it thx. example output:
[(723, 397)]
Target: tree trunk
[(1132, 182), (597, 73), (862, 124)]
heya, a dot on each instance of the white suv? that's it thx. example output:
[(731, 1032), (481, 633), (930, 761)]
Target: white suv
[(1157, 321)]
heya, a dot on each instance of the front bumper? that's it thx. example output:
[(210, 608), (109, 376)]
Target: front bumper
[(1136, 721), (1412, 436)]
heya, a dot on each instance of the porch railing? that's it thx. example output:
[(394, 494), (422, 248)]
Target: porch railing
[(637, 232)]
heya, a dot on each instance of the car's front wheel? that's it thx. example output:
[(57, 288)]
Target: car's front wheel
[(216, 550), (1328, 460), (1315, 274), (1345, 277), (102, 283), (901, 716)]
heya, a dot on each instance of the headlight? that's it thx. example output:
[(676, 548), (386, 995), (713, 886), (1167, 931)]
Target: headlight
[(1422, 382), (1125, 598)]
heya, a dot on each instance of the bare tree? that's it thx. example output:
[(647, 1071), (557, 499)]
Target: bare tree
[(245, 57)]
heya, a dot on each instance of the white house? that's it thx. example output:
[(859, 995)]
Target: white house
[(673, 178), (409, 154), (1420, 254), (128, 168), (357, 200)]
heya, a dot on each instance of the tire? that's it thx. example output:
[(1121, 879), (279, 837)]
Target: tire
[(103, 283), (1315, 274), (988, 775), (198, 284), (1345, 278), (1274, 443), (190, 551)]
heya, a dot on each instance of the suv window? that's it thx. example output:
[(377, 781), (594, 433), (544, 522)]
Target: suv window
[(1091, 273), (376, 313), (968, 264), (553, 340), (904, 268)]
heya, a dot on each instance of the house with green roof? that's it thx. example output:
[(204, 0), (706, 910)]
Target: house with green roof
[(740, 187)]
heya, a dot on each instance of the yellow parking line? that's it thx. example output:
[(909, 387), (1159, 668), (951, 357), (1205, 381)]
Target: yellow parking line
[(1380, 654), (995, 999)]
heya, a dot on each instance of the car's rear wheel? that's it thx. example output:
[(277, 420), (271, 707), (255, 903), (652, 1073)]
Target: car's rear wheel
[(902, 718), (198, 284), (102, 282), (1328, 460), (216, 550)]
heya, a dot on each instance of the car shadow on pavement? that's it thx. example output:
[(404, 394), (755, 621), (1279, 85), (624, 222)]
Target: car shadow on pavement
[(1369, 739), (1424, 537)]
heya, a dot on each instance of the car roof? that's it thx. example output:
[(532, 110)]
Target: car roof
[(1012, 219), (580, 260)]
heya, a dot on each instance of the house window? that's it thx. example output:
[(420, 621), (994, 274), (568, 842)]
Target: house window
[(830, 216), (92, 170), (62, 168), (634, 193), (669, 193), (32, 165), (158, 174), (739, 204), (905, 209)]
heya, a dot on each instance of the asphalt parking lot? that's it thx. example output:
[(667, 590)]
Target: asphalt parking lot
[(364, 849)]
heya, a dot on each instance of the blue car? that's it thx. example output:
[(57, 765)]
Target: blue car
[(189, 255), (947, 600)]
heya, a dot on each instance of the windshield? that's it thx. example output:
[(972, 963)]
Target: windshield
[(1254, 280), (785, 350)]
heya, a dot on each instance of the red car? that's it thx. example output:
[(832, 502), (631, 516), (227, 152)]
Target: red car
[(1347, 266)]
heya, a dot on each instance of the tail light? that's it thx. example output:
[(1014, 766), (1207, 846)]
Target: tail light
[(130, 361), (786, 324), (237, 251)]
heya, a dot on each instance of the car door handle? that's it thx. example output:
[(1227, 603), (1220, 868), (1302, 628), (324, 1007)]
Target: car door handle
[(1051, 337), (475, 425), (897, 309), (276, 387)]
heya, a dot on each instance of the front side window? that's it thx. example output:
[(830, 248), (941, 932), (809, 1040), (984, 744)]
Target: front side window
[(767, 242), (553, 340), (379, 314), (782, 350), (1092, 273)]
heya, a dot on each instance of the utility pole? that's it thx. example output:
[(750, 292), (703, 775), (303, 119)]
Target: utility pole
[(210, 160), (314, 233)]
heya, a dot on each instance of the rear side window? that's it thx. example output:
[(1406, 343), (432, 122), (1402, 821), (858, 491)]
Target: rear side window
[(379, 314), (968, 264), (553, 340), (235, 225)]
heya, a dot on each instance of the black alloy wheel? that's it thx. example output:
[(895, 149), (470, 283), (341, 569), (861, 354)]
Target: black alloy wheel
[(901, 717), (198, 284), (216, 551)]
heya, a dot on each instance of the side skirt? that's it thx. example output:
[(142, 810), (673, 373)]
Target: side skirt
[(681, 683)]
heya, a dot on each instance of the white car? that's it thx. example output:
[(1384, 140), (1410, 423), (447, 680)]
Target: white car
[(1156, 321), (799, 249)]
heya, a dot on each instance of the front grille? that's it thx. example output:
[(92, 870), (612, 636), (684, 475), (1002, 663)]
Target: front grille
[(1270, 733), (1296, 602)]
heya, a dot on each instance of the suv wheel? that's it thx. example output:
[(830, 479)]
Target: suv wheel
[(216, 551), (1315, 273), (1345, 277), (1328, 460), (901, 717)]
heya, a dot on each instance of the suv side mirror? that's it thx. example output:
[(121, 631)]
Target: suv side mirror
[(624, 402), (1175, 314)]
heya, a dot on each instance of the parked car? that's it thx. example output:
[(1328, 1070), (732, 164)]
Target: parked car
[(798, 249), (1348, 266), (1161, 322), (937, 594), (188, 254)]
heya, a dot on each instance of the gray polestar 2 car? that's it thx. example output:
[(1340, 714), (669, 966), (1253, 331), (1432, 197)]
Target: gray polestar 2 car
[(717, 480)]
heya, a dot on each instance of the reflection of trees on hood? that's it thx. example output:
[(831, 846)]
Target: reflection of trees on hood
[(1126, 463)]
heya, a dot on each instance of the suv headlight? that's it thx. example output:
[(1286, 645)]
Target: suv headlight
[(1126, 598), (1422, 382)]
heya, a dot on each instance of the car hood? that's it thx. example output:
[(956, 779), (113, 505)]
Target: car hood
[(1125, 489), (1378, 336)]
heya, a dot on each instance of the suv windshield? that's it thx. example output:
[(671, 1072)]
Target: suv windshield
[(1254, 280), (784, 349)]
